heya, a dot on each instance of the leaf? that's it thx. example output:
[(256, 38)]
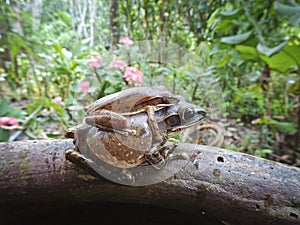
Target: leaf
[(294, 85), (292, 12), (230, 14), (57, 108), (64, 17), (287, 58), (270, 51), (4, 135), (247, 52), (285, 127), (236, 39), (4, 107), (59, 50), (73, 64), (263, 152), (224, 60)]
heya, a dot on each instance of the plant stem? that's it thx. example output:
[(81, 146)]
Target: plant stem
[(252, 21), (97, 75), (32, 115)]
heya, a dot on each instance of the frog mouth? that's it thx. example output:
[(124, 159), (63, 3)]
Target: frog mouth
[(200, 114)]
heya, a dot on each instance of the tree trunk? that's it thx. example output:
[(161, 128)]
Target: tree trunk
[(114, 25), (225, 186)]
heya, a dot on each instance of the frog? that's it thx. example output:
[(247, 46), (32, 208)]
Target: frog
[(131, 101), (129, 140)]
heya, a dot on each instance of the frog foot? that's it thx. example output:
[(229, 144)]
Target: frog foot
[(159, 158), (80, 160)]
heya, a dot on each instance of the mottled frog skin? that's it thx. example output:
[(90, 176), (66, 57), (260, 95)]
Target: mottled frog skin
[(128, 140), (133, 100), (107, 113)]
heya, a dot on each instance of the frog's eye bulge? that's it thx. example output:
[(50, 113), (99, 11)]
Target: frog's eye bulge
[(188, 114), (191, 113)]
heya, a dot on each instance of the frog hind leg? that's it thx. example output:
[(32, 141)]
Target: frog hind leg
[(122, 175), (81, 161), (110, 121)]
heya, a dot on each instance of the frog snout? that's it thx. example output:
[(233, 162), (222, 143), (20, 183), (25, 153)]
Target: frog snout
[(201, 112)]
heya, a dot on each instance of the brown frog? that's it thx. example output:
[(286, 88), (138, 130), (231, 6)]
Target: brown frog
[(133, 100), (128, 102), (127, 140)]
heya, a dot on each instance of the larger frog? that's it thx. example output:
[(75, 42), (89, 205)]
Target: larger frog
[(128, 140), (131, 101)]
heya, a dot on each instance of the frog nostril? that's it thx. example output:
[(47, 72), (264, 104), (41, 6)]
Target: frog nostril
[(201, 112)]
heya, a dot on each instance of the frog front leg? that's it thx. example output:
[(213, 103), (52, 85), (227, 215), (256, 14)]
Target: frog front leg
[(160, 153), (158, 159), (157, 136), (110, 121)]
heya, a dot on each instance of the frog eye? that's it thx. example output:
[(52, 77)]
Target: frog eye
[(173, 120), (188, 114)]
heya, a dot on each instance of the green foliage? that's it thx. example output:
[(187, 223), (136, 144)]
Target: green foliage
[(43, 56), (7, 110), (283, 127), (236, 39), (291, 11)]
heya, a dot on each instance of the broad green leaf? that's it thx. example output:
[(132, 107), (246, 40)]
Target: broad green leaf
[(4, 107), (64, 17), (224, 60), (292, 12), (236, 39), (287, 58), (73, 64), (59, 50), (283, 127), (270, 51), (4, 135), (83, 55), (57, 108), (247, 52)]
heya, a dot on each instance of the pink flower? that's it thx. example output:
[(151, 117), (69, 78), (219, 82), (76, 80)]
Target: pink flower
[(95, 62), (152, 64), (132, 74), (117, 64), (4, 121), (126, 41), (48, 112), (84, 86), (57, 99)]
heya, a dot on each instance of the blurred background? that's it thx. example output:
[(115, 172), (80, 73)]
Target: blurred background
[(55, 53)]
